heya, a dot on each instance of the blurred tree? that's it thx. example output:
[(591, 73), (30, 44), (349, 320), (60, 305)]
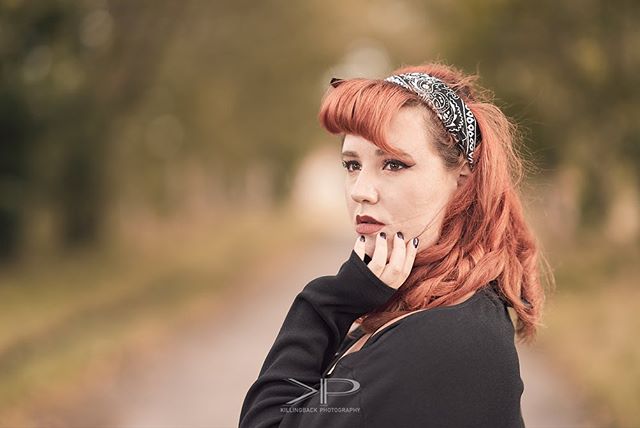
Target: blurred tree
[(15, 125), (77, 67), (19, 124), (251, 72)]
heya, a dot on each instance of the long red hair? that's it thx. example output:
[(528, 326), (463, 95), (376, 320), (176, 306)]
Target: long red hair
[(485, 237)]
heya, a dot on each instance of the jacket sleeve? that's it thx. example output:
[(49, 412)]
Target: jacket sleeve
[(315, 325)]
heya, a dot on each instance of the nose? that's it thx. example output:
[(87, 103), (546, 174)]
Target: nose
[(364, 189)]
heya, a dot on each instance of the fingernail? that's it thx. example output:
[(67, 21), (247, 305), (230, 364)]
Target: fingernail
[(415, 242), (361, 238), (383, 235), (400, 235)]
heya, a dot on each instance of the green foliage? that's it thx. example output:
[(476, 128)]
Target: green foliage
[(106, 97)]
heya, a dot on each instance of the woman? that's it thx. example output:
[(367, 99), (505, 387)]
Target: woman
[(442, 250)]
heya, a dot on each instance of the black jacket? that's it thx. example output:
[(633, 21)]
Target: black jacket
[(453, 366)]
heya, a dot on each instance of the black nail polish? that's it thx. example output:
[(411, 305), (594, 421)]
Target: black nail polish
[(400, 235), (384, 235), (415, 242), (362, 238)]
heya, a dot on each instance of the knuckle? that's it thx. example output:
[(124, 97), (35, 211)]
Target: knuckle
[(395, 270)]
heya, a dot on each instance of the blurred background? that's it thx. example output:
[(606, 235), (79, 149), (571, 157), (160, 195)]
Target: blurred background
[(166, 190)]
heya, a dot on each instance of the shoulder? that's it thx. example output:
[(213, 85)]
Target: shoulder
[(481, 322), (468, 342), (446, 365)]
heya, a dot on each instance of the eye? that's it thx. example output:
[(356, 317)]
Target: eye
[(348, 164), (396, 164)]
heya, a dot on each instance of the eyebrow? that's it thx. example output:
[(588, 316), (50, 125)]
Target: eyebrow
[(379, 152)]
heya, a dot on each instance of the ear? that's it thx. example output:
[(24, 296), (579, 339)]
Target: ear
[(463, 174)]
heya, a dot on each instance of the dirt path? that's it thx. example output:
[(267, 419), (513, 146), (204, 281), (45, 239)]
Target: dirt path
[(201, 381)]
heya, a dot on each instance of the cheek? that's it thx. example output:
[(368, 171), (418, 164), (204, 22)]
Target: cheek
[(411, 206), (414, 194), (347, 193), (350, 203)]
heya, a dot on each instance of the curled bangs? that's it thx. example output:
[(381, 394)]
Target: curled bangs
[(364, 107)]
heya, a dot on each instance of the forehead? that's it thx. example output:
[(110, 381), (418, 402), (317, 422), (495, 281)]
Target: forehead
[(407, 132)]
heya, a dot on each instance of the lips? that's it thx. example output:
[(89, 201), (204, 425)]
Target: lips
[(368, 225), (367, 219), (369, 228)]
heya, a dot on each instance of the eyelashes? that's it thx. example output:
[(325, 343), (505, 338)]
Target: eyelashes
[(396, 165)]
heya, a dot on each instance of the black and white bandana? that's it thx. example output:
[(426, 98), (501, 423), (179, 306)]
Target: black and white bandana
[(456, 117), (448, 106)]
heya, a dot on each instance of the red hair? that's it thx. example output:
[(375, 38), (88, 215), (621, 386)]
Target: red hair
[(485, 237)]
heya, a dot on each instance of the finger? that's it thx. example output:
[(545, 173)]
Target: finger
[(394, 274), (379, 258), (360, 246), (396, 261), (412, 251)]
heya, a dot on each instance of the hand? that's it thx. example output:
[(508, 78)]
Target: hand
[(400, 263)]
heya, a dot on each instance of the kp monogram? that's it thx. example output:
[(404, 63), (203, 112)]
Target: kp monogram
[(324, 390)]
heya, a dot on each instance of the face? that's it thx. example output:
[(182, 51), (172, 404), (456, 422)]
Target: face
[(408, 193)]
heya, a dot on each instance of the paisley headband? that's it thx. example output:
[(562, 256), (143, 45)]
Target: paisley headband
[(456, 117)]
